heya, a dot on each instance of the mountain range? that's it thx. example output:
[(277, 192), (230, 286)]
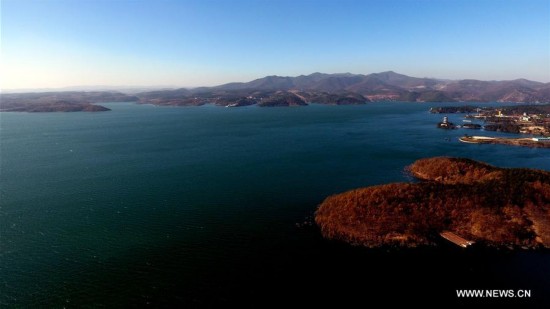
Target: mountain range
[(350, 88), (338, 89)]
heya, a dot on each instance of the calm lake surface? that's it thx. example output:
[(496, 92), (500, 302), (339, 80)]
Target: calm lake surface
[(204, 207)]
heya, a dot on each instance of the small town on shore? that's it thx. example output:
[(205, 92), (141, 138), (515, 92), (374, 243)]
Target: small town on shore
[(525, 119)]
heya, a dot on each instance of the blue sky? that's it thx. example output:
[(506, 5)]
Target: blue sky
[(61, 43)]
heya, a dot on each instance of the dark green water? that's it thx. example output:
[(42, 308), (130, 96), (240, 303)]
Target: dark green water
[(198, 207)]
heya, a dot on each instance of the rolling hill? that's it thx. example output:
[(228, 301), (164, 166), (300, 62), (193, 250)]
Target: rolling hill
[(340, 88), (269, 91)]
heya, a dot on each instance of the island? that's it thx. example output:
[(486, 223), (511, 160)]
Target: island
[(66, 101), (54, 106), (503, 207), (446, 124)]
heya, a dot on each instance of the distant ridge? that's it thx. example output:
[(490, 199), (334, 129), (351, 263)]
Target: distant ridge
[(384, 86), (273, 90)]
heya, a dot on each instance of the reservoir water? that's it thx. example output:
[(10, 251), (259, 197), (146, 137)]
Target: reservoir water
[(209, 206)]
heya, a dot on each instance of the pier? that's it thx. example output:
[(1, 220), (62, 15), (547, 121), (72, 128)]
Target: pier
[(455, 239)]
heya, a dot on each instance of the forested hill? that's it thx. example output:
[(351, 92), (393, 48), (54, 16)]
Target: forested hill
[(490, 205)]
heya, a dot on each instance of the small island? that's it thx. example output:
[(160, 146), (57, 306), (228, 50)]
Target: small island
[(488, 205), (446, 124), (65, 101)]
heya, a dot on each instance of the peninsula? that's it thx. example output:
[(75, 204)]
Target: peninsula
[(489, 205), (534, 142), (525, 119)]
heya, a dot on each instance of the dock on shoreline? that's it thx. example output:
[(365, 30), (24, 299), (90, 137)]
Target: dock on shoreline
[(455, 239)]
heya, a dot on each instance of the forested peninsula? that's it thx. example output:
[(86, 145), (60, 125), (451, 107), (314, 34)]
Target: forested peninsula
[(508, 207)]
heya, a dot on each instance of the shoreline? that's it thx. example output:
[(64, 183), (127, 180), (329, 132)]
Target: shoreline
[(522, 141), (458, 199)]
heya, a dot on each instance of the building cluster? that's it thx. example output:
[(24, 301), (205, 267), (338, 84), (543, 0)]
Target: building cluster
[(522, 122)]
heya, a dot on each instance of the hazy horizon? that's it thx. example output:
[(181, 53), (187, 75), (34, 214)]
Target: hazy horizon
[(173, 44)]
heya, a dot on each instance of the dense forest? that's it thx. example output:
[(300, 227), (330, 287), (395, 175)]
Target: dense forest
[(490, 205)]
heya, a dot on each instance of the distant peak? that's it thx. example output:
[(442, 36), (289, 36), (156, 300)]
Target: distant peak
[(390, 73)]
